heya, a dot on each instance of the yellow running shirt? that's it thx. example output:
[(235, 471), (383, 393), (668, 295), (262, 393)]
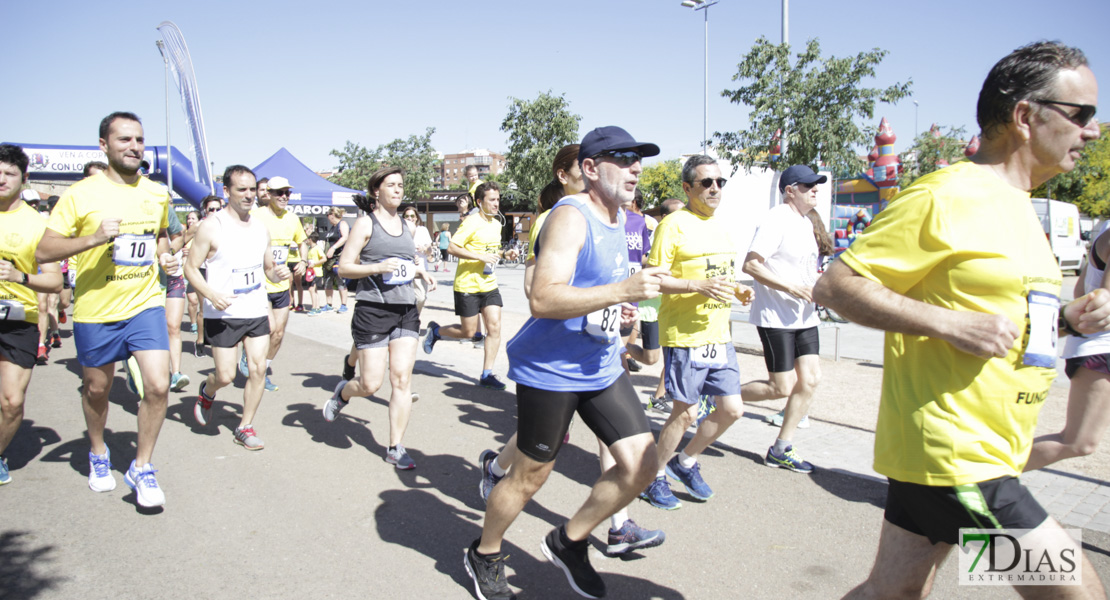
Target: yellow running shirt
[(20, 232), (481, 236), (534, 234), (117, 280), (962, 239), (285, 231), (698, 248)]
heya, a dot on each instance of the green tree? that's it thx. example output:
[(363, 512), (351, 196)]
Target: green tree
[(537, 130), (661, 181), (930, 148), (1088, 184), (415, 155), (816, 101)]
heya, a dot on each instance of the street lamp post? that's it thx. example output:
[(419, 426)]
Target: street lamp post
[(704, 5), (915, 129)]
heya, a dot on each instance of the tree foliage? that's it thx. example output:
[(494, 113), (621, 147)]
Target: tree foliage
[(537, 130), (661, 181), (415, 155), (928, 150), (1088, 184), (816, 101)]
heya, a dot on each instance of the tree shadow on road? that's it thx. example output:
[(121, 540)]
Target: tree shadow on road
[(28, 443), (420, 521), (21, 567)]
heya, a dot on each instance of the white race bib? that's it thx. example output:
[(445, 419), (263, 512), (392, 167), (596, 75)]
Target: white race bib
[(604, 325), (634, 268), (280, 254), (247, 280), (402, 274), (180, 256), (1040, 348), (488, 270), (134, 250), (12, 310), (709, 356)]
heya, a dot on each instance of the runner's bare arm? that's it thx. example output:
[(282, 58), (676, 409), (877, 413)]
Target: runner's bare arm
[(753, 265), (55, 247), (359, 236), (204, 246), (869, 303), (552, 295), (47, 282)]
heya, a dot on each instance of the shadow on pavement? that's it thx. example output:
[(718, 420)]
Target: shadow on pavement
[(21, 566), (851, 486), (418, 520), (122, 446), (345, 432), (28, 443)]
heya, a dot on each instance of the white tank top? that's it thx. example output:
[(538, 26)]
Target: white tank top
[(236, 268), (1097, 343)]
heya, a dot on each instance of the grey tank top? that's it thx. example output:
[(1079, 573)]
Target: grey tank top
[(383, 246)]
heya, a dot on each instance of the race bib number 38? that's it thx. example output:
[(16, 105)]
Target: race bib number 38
[(604, 325), (134, 250)]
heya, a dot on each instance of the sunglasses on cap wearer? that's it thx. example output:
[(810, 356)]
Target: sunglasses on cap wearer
[(624, 158), (1081, 118), (281, 192), (708, 183)]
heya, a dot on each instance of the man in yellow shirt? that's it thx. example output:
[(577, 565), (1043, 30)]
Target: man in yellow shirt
[(698, 356), (285, 231), (957, 270), (477, 243), (21, 227), (115, 223)]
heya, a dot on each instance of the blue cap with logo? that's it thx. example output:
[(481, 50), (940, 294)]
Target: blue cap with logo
[(609, 138), (799, 174)]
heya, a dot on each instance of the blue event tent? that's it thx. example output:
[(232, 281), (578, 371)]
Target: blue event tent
[(311, 194)]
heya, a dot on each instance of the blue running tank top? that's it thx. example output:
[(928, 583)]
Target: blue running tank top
[(564, 355)]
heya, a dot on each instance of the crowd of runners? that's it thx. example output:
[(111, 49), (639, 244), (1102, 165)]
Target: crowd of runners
[(956, 270)]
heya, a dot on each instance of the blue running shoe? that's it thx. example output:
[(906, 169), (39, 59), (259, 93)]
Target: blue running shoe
[(432, 337), (5, 477), (342, 309), (789, 459), (659, 495), (691, 478), (270, 387), (633, 537), (706, 406), (492, 382), (142, 480), (243, 365)]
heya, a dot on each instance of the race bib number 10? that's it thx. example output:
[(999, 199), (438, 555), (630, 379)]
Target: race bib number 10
[(1040, 348), (402, 274), (604, 324), (131, 250)]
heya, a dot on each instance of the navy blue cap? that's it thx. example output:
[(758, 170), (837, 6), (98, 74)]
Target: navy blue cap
[(604, 139), (799, 174)]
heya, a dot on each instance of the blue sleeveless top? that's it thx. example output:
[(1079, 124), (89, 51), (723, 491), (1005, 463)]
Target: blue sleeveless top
[(558, 355)]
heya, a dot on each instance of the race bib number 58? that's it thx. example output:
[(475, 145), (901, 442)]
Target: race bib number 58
[(404, 273)]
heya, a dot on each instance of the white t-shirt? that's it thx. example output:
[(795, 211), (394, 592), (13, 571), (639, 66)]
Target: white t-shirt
[(785, 241), (1095, 343)]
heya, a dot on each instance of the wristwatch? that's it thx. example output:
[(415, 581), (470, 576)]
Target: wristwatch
[(23, 281)]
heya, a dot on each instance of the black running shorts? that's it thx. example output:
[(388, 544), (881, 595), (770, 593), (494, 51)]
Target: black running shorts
[(227, 333), (782, 346), (939, 512)]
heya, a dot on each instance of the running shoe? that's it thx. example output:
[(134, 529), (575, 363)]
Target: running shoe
[(479, 340), (342, 309), (100, 472), (485, 486), (270, 386), (706, 406), (55, 340), (134, 376), (348, 369), (659, 495), (5, 477), (299, 308), (633, 366), (633, 537), (789, 459), (62, 318), (178, 382), (312, 312), (432, 337), (202, 410), (335, 404), (198, 349), (492, 382), (662, 405), (145, 485), (488, 574), (192, 327), (42, 355), (691, 478), (776, 420), (574, 560), (399, 457), (247, 438), (243, 368)]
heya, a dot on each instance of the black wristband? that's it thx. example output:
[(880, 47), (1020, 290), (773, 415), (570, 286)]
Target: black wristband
[(1063, 325), (23, 281)]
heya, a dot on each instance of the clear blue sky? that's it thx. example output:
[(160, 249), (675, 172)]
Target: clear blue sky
[(310, 76)]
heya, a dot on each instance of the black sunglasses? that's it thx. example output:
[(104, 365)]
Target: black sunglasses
[(281, 192), (624, 158), (708, 183), (1081, 118)]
